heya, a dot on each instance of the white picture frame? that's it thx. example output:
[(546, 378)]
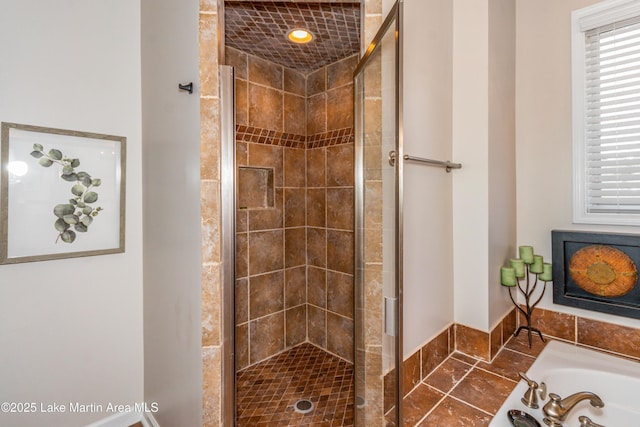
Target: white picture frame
[(62, 193)]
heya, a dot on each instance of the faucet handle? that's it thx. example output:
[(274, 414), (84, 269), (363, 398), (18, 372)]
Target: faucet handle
[(586, 422), (555, 398), (542, 391), (530, 397), (525, 377)]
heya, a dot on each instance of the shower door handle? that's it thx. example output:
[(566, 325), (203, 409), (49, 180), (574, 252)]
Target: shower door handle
[(392, 157), (390, 311)]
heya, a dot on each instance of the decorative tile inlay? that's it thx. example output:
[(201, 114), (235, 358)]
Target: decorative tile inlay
[(266, 392), (260, 28), (269, 137), (283, 139), (331, 138)]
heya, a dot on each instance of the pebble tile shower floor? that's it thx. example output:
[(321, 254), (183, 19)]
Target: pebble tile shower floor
[(267, 391)]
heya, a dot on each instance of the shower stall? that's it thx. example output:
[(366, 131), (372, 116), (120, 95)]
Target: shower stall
[(310, 225)]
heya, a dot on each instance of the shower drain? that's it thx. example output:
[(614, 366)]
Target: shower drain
[(303, 406)]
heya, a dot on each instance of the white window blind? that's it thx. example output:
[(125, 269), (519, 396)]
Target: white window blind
[(612, 102)]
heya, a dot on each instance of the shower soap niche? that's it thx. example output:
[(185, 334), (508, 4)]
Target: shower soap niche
[(255, 187)]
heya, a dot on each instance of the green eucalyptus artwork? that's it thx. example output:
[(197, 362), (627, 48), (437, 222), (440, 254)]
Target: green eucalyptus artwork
[(78, 213), (62, 193)]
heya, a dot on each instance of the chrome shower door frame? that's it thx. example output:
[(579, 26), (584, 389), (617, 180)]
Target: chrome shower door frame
[(393, 21), (228, 238)]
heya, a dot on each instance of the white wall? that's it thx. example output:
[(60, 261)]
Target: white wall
[(543, 123), (483, 141), (502, 164), (428, 248), (470, 147), (71, 330), (172, 257)]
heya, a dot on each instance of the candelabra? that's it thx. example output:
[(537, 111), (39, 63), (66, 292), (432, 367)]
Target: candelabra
[(521, 269)]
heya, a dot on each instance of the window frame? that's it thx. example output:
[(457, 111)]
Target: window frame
[(583, 20)]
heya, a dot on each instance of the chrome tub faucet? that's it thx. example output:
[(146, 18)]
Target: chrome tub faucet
[(557, 409)]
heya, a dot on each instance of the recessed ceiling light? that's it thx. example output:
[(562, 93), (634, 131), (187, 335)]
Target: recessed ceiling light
[(300, 35)]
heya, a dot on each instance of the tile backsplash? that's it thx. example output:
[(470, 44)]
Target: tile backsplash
[(621, 340), (294, 257)]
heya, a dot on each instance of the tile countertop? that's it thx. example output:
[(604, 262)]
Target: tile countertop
[(467, 392)]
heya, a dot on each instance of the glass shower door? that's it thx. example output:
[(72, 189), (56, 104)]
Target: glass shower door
[(378, 284)]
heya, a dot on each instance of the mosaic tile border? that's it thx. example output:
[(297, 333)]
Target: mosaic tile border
[(331, 138), (270, 137)]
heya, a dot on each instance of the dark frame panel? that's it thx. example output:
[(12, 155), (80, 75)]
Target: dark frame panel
[(565, 290)]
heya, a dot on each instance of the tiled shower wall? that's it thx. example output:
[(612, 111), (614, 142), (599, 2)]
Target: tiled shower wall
[(294, 256), (270, 241), (330, 208)]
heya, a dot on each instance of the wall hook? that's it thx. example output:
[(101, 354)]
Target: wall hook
[(187, 87)]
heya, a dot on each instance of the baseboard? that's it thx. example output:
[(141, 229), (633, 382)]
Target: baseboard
[(118, 420), (125, 419), (149, 421)]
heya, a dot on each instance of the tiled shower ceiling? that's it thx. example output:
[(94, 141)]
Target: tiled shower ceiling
[(260, 28)]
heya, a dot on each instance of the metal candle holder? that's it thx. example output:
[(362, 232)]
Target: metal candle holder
[(522, 268), (528, 292)]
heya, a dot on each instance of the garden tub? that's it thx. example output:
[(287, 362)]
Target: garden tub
[(567, 369)]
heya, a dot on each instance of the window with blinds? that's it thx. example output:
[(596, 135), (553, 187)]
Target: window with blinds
[(612, 118), (605, 58)]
